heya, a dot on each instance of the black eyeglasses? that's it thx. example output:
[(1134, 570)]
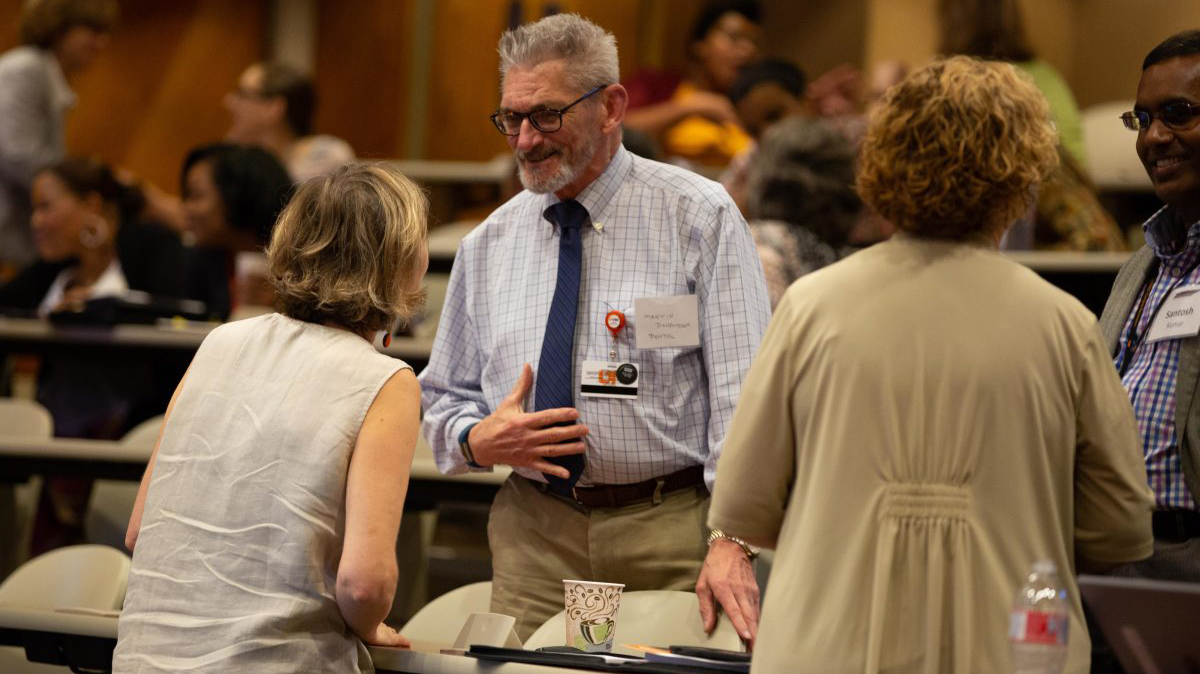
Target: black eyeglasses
[(1174, 115), (548, 120)]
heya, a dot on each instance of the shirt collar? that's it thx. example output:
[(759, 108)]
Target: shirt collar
[(600, 192)]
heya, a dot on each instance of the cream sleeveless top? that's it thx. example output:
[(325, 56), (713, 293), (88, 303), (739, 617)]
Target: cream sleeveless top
[(237, 558)]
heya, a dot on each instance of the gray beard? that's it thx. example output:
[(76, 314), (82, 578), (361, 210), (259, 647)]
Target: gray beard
[(567, 172)]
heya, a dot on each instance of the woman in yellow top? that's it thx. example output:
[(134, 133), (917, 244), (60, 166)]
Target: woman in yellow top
[(691, 117), (925, 419)]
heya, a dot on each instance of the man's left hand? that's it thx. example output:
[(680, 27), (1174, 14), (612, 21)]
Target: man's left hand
[(728, 578)]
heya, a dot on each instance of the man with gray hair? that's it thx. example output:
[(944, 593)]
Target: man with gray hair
[(634, 291)]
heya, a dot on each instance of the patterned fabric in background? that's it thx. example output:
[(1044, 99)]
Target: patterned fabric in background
[(788, 252), (1070, 216)]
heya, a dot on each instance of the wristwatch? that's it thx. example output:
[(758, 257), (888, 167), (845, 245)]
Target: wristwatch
[(750, 550), (465, 447)]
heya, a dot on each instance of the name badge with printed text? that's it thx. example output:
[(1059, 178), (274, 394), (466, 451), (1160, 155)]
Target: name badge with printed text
[(667, 321), (602, 379), (1179, 315)]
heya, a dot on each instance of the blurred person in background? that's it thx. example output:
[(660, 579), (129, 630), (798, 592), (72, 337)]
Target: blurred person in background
[(802, 205), (764, 93), (1067, 215), (231, 197), (60, 39), (272, 107), (90, 244), (951, 417), (689, 114), (277, 553)]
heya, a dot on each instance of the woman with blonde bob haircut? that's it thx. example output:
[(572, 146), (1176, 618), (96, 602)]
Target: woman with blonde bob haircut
[(264, 531), (953, 418)]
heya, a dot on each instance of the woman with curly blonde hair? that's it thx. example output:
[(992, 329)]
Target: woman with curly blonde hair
[(264, 531), (952, 418)]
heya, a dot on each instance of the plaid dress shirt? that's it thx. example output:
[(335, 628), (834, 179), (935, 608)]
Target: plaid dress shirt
[(1149, 371), (655, 230)]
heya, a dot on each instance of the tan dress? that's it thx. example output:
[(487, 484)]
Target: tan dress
[(922, 422)]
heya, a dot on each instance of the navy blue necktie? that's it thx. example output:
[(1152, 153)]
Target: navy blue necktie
[(557, 362)]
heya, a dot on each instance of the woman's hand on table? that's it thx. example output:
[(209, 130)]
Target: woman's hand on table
[(386, 636), (727, 582)]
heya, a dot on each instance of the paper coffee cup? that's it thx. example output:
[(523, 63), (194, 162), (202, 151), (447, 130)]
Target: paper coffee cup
[(591, 614)]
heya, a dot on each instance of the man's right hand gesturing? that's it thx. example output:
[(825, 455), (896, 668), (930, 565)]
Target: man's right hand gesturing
[(514, 437)]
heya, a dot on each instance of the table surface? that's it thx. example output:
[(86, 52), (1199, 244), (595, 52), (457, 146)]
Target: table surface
[(494, 172), (1069, 261), (185, 335), (115, 459), (424, 658)]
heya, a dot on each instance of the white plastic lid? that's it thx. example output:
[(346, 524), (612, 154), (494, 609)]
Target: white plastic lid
[(1045, 566)]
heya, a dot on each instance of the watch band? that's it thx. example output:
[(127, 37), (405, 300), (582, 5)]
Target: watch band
[(465, 447), (750, 550)]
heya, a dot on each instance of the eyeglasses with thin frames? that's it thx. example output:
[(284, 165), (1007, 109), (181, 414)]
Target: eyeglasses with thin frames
[(1175, 115), (547, 120)]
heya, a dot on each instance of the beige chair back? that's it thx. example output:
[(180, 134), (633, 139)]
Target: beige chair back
[(144, 434), (80, 576), (111, 502), (18, 502), (440, 620), (25, 417), (653, 617)]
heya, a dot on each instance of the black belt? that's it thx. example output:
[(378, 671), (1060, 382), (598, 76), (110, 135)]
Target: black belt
[(1176, 525), (617, 495)]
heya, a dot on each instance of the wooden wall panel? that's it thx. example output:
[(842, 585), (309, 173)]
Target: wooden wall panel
[(464, 88), (158, 88), (362, 73), (465, 84)]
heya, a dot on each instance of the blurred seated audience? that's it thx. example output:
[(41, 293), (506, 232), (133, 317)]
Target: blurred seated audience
[(689, 115), (802, 204), (231, 197), (764, 93), (272, 107), (60, 39), (993, 30), (277, 553), (1067, 215), (92, 243), (950, 417)]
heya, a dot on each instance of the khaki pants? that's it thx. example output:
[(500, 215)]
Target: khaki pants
[(538, 540)]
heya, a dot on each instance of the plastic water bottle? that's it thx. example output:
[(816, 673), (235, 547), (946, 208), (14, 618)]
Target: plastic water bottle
[(1038, 624)]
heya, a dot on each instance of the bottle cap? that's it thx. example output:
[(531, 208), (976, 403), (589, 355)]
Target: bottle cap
[(1045, 566)]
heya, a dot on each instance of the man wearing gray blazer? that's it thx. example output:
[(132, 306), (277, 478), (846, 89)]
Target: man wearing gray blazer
[(1152, 319)]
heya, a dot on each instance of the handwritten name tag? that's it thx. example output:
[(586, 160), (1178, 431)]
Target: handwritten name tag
[(1179, 315), (667, 321)]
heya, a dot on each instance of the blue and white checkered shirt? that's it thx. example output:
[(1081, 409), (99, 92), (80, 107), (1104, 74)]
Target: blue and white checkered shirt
[(1151, 370), (656, 230)]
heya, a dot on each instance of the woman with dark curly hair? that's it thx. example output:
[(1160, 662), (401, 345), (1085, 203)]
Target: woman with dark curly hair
[(264, 532), (951, 417)]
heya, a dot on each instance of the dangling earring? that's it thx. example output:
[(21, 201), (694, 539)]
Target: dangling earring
[(387, 339), (94, 233)]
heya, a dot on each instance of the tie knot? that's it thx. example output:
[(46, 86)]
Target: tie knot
[(569, 214)]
